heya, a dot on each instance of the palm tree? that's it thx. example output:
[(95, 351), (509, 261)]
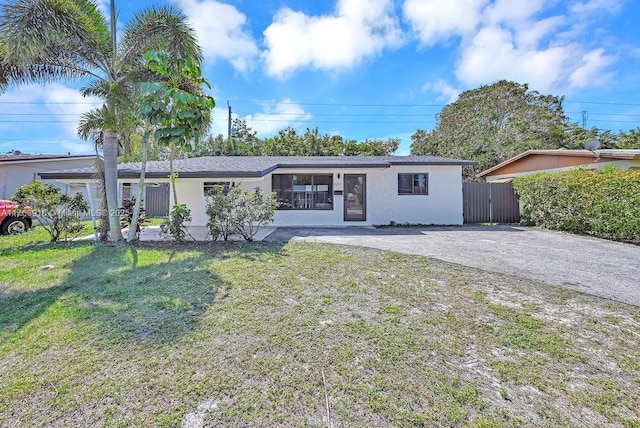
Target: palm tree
[(42, 41)]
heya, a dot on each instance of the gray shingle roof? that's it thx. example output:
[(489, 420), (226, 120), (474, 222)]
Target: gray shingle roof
[(254, 166), (26, 158)]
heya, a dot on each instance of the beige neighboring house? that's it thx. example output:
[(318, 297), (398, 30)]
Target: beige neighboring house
[(18, 169), (533, 161)]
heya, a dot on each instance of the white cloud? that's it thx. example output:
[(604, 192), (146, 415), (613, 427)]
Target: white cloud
[(221, 32), (219, 121), (512, 11), (357, 30), (448, 93), (596, 7), (592, 71), (530, 35), (439, 20), (67, 104), (51, 103), (493, 55), (76, 148), (274, 118), (104, 6), (514, 39)]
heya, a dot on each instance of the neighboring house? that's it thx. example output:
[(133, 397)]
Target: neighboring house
[(316, 190), (559, 160), (19, 169)]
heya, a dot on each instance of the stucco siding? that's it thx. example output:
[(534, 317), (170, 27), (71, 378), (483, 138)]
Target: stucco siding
[(15, 175), (442, 205)]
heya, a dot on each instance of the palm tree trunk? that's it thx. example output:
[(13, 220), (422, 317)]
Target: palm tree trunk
[(110, 149), (133, 227), (98, 177)]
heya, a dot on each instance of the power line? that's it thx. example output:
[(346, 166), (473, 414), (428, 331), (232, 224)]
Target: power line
[(582, 113), (50, 103), (311, 103), (336, 104), (257, 120), (40, 114), (603, 103), (265, 114)]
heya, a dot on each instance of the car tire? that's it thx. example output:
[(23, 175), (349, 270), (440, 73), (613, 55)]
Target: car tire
[(14, 226)]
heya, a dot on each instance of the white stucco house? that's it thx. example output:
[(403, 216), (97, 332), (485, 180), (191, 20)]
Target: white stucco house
[(315, 190), (19, 169)]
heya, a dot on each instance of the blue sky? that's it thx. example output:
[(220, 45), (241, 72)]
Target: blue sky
[(374, 68)]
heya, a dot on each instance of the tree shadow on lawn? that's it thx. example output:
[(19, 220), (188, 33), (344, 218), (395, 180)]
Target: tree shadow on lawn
[(151, 294)]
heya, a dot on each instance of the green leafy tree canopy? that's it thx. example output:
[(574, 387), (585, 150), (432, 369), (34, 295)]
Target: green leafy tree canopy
[(493, 123)]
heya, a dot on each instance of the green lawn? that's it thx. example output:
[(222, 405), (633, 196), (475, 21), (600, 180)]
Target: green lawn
[(264, 335)]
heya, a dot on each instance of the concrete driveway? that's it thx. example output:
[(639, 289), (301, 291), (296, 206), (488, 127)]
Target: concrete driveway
[(594, 266)]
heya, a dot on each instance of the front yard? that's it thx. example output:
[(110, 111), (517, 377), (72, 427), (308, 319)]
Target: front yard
[(300, 335)]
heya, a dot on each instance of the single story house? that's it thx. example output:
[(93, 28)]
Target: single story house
[(19, 169), (560, 160), (314, 190)]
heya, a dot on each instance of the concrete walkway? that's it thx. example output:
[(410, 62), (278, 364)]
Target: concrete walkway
[(594, 266), (196, 233)]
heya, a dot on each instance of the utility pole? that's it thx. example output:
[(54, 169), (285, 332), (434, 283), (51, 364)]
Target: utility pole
[(229, 122)]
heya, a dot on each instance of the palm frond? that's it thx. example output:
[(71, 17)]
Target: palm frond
[(158, 28), (93, 122), (68, 38), (13, 75)]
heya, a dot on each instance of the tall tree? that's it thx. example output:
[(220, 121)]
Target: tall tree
[(630, 139), (61, 40), (492, 123), (375, 147), (177, 106), (243, 142), (222, 146), (576, 136)]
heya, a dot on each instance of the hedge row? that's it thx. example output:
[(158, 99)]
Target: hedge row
[(602, 203)]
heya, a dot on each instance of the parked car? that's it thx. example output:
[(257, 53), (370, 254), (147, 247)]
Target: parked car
[(12, 219)]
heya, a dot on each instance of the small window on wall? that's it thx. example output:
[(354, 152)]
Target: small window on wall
[(126, 191), (413, 184), (211, 188)]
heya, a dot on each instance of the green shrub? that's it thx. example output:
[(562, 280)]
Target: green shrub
[(177, 217), (126, 216), (603, 203), (56, 212), (239, 211)]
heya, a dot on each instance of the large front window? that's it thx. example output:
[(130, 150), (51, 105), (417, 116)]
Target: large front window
[(303, 191)]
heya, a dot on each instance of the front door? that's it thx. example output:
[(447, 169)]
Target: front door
[(355, 197)]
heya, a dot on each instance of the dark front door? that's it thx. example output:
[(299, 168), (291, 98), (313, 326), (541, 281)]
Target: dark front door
[(355, 197)]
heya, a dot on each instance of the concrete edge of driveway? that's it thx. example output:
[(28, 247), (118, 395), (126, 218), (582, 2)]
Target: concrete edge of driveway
[(587, 264)]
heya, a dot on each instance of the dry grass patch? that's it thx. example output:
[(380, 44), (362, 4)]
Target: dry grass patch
[(241, 335)]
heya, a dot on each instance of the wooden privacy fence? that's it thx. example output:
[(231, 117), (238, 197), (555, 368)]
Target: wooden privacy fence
[(490, 203)]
